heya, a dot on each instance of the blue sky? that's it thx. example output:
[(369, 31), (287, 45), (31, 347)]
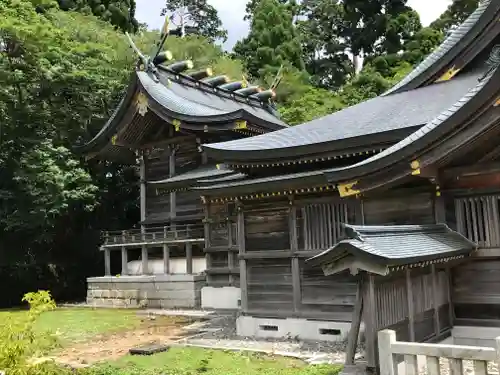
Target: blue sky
[(231, 12)]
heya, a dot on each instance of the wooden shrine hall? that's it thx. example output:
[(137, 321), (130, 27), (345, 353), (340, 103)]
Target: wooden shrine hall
[(384, 214)]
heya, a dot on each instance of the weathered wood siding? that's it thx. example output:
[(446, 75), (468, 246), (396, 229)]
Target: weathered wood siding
[(403, 209), (267, 226), (187, 203), (478, 218), (476, 291)]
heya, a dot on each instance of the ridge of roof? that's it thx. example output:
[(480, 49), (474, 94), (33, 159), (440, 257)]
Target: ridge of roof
[(374, 116), (466, 29), (377, 161)]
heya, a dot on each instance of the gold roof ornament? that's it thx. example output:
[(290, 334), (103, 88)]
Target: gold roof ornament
[(177, 124), (241, 124), (415, 166), (142, 103), (347, 189), (449, 74)]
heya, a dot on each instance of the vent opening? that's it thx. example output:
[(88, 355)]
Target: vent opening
[(328, 331), (269, 328)]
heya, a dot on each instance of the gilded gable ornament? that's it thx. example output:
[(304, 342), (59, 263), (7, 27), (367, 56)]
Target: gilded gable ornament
[(142, 104)]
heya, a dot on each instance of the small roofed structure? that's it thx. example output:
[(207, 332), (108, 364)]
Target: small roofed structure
[(403, 281)]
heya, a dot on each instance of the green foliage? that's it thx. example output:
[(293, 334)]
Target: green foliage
[(273, 40), (21, 342), (457, 12), (198, 14)]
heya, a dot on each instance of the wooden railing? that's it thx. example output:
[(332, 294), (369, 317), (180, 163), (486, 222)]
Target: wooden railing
[(436, 355), (154, 234)]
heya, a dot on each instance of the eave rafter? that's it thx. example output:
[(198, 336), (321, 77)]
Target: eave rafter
[(267, 195)]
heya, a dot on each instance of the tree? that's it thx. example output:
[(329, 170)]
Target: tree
[(197, 14), (273, 40), (61, 74), (457, 12), (252, 6)]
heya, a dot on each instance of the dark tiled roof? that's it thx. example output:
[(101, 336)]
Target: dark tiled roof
[(409, 144), (378, 115), (206, 172), (455, 37), (398, 245)]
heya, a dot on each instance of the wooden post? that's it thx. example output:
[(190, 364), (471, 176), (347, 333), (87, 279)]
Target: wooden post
[(143, 190), (352, 340), (230, 254), (107, 262), (435, 291), (189, 258), (386, 338), (294, 247), (370, 323), (243, 263), (166, 254), (145, 263), (173, 195), (206, 231), (409, 301), (451, 310), (124, 256), (439, 210)]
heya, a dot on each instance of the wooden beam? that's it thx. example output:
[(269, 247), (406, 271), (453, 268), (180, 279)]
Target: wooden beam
[(189, 259), (451, 310), (294, 246), (471, 170), (409, 301), (243, 262), (435, 290), (352, 340), (107, 262)]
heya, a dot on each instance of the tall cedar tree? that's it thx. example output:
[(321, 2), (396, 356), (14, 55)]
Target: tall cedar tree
[(331, 29), (273, 40), (456, 13), (197, 14)]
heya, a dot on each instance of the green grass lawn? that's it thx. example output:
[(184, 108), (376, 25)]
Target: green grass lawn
[(76, 325), (195, 361)]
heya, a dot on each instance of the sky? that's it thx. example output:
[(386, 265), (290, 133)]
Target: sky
[(231, 13)]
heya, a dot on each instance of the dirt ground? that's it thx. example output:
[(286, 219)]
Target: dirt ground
[(113, 346)]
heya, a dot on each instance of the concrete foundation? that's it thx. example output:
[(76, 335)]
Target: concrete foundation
[(302, 329), (473, 336), (158, 291), (224, 298)]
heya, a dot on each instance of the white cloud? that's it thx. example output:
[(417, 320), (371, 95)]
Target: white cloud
[(231, 13)]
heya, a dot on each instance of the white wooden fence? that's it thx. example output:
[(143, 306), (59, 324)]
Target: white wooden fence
[(455, 354)]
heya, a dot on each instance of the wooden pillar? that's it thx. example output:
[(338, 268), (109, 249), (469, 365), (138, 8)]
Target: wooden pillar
[(409, 301), (352, 340), (143, 189), (439, 208), (173, 194), (243, 262), (189, 258), (145, 260), (124, 255), (435, 300), (230, 254), (206, 231), (451, 310), (107, 262), (294, 247), (370, 317)]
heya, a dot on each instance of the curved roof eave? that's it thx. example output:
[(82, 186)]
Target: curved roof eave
[(428, 134), (465, 34), (172, 105), (109, 129)]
